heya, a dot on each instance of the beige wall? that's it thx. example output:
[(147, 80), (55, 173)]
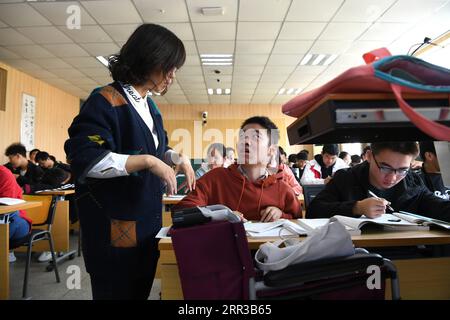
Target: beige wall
[(55, 110), (182, 119)]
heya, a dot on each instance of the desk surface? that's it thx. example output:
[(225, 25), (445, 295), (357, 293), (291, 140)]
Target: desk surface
[(21, 206), (371, 238), (57, 192), (170, 200)]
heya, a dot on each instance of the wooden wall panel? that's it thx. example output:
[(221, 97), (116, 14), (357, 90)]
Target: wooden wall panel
[(55, 110)]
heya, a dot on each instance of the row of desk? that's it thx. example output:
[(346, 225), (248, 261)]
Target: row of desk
[(425, 278), (60, 233)]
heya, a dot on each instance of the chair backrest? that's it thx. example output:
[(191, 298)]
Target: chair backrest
[(44, 214), (310, 191), (214, 261)]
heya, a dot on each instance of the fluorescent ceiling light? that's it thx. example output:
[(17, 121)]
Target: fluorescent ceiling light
[(213, 11), (210, 91), (216, 55), (217, 63), (103, 60), (306, 59), (219, 91), (318, 59), (290, 91), (330, 59), (298, 91), (217, 59), (282, 90), (227, 91)]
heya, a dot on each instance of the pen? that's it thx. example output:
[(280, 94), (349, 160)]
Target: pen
[(375, 196)]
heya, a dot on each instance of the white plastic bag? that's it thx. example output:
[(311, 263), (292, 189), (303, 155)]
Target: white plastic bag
[(329, 241)]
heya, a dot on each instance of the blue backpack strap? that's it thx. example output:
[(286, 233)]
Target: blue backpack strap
[(385, 69)]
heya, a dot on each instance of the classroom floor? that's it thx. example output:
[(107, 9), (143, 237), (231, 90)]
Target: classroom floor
[(42, 285)]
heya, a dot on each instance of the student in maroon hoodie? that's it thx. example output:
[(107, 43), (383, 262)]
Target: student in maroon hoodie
[(247, 187)]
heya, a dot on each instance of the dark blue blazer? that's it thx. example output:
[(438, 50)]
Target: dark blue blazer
[(130, 205)]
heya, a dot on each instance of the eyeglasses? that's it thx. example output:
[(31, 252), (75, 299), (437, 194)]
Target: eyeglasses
[(387, 170)]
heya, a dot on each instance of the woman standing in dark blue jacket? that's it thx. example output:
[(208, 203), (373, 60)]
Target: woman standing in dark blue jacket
[(121, 162)]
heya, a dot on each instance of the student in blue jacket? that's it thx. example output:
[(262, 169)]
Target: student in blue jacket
[(121, 162)]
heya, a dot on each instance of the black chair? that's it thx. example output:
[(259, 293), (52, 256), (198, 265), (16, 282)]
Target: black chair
[(310, 191), (45, 216)]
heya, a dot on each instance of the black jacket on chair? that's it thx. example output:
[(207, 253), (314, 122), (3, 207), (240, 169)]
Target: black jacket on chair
[(352, 184)]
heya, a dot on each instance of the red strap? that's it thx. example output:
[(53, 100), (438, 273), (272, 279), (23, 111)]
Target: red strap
[(376, 54), (431, 128)]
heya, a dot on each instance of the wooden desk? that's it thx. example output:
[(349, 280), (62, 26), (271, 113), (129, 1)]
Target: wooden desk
[(60, 193), (426, 278), (170, 200), (4, 245)]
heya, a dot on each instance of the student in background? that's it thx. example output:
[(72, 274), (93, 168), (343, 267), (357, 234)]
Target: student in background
[(19, 223), (322, 168), (307, 153), (345, 156), (364, 153), (25, 171), (247, 187), (52, 178), (291, 160), (430, 171), (230, 157), (32, 155), (215, 158), (302, 160), (356, 159), (46, 161), (285, 172), (386, 173)]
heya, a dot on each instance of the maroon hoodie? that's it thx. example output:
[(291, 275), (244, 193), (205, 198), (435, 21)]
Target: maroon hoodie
[(229, 187)]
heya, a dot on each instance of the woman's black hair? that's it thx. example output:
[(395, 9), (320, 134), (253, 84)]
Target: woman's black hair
[(150, 48)]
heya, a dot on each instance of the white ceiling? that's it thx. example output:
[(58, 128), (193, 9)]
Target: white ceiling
[(267, 37)]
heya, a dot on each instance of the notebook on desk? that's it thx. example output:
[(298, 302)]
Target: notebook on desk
[(312, 224), (354, 225), (421, 220), (10, 201), (282, 227), (387, 221)]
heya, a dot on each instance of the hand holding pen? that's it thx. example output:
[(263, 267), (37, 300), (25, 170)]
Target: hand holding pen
[(372, 207), (376, 197)]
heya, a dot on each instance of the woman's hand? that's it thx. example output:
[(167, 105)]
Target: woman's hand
[(166, 173), (184, 165)]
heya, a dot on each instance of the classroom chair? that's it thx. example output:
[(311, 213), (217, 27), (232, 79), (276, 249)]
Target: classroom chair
[(214, 262), (40, 216), (310, 191)]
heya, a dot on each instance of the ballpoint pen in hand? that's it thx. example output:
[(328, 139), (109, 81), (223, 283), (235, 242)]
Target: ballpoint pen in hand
[(375, 196)]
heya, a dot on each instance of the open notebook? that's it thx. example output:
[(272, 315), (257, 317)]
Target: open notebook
[(424, 221), (312, 224), (10, 201), (273, 229), (354, 225), (387, 221)]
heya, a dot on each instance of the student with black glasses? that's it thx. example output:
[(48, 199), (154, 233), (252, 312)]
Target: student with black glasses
[(386, 174)]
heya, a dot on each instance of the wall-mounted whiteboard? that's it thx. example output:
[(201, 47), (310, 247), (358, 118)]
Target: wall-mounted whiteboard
[(28, 121)]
